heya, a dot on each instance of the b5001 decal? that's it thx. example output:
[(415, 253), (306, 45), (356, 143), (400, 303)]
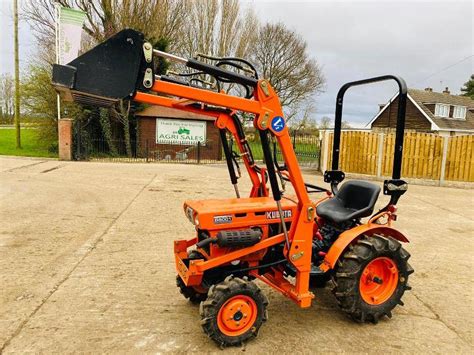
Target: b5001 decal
[(222, 219)]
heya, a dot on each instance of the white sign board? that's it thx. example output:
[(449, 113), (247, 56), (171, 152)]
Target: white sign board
[(69, 31), (171, 131)]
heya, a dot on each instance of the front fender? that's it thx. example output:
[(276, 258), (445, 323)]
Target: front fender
[(349, 236)]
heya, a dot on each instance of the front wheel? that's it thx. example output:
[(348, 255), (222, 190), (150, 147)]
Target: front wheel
[(233, 312), (371, 278), (193, 294)]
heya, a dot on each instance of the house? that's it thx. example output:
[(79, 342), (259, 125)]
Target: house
[(172, 134), (429, 111)]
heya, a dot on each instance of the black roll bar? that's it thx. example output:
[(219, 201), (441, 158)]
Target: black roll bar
[(402, 102), (395, 187)]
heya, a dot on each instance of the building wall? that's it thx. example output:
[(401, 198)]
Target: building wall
[(414, 119), (147, 140)]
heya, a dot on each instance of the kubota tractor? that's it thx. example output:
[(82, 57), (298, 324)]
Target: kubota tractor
[(291, 243)]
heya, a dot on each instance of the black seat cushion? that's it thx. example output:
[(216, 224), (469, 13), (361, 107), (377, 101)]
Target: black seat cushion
[(355, 199)]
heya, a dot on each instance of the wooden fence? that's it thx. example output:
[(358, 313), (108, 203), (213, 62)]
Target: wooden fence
[(425, 155)]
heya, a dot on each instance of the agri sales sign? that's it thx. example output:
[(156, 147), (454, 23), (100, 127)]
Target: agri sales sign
[(180, 132)]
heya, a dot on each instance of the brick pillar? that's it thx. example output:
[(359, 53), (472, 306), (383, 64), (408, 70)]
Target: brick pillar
[(65, 138)]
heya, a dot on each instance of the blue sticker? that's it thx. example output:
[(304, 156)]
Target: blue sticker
[(278, 123)]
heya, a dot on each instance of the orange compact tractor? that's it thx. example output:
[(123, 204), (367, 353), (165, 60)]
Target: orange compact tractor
[(290, 243)]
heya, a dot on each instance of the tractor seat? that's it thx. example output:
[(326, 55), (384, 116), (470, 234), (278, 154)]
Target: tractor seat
[(354, 200)]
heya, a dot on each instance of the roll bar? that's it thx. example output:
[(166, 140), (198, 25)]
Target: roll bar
[(395, 185)]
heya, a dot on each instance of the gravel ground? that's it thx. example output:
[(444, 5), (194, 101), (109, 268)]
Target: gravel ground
[(86, 265)]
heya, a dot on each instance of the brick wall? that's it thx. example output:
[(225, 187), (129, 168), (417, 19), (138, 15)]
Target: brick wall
[(65, 139), (147, 141)]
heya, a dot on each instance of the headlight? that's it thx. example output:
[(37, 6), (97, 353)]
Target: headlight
[(190, 214)]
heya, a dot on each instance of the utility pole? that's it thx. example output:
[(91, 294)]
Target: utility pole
[(17, 76)]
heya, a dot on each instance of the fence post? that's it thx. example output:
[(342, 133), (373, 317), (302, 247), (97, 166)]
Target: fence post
[(380, 154), (199, 153), (443, 161), (146, 150), (324, 151)]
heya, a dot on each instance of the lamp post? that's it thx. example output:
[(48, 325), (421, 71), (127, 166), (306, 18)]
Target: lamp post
[(17, 76)]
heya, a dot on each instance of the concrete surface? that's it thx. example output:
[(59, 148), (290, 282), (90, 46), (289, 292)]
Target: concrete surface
[(86, 265)]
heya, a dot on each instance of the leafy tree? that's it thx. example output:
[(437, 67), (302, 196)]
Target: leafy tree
[(39, 101), (468, 89)]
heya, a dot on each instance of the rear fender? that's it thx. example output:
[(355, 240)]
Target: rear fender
[(351, 235)]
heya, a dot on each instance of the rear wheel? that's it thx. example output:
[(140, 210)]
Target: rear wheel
[(371, 278), (233, 312)]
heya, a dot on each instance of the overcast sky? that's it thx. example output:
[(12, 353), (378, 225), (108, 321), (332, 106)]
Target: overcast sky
[(422, 41)]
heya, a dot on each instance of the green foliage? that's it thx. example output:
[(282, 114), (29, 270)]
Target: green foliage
[(7, 102), (39, 101), (32, 146), (104, 118), (161, 65), (468, 89)]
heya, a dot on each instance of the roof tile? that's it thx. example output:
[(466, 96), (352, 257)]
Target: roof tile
[(422, 97)]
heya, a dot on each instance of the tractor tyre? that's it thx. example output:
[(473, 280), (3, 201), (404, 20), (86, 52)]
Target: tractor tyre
[(190, 293), (371, 278), (233, 312)]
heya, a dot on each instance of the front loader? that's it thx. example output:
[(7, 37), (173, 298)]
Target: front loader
[(289, 242)]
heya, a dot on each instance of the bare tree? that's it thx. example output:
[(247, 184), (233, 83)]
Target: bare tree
[(305, 120), (7, 95), (281, 57), (345, 125), (157, 19), (325, 123), (218, 28)]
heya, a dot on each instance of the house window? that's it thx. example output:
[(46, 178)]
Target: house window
[(459, 112), (442, 110)]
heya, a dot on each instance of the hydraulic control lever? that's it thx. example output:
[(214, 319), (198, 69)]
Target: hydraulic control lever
[(209, 69)]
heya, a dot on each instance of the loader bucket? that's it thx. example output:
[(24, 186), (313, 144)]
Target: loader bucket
[(107, 73)]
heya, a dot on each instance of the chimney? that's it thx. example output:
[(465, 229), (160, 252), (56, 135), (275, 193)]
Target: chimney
[(381, 106), (446, 91), (429, 89)]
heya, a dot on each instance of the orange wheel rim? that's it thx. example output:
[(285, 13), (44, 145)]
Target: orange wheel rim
[(378, 281), (237, 315)]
